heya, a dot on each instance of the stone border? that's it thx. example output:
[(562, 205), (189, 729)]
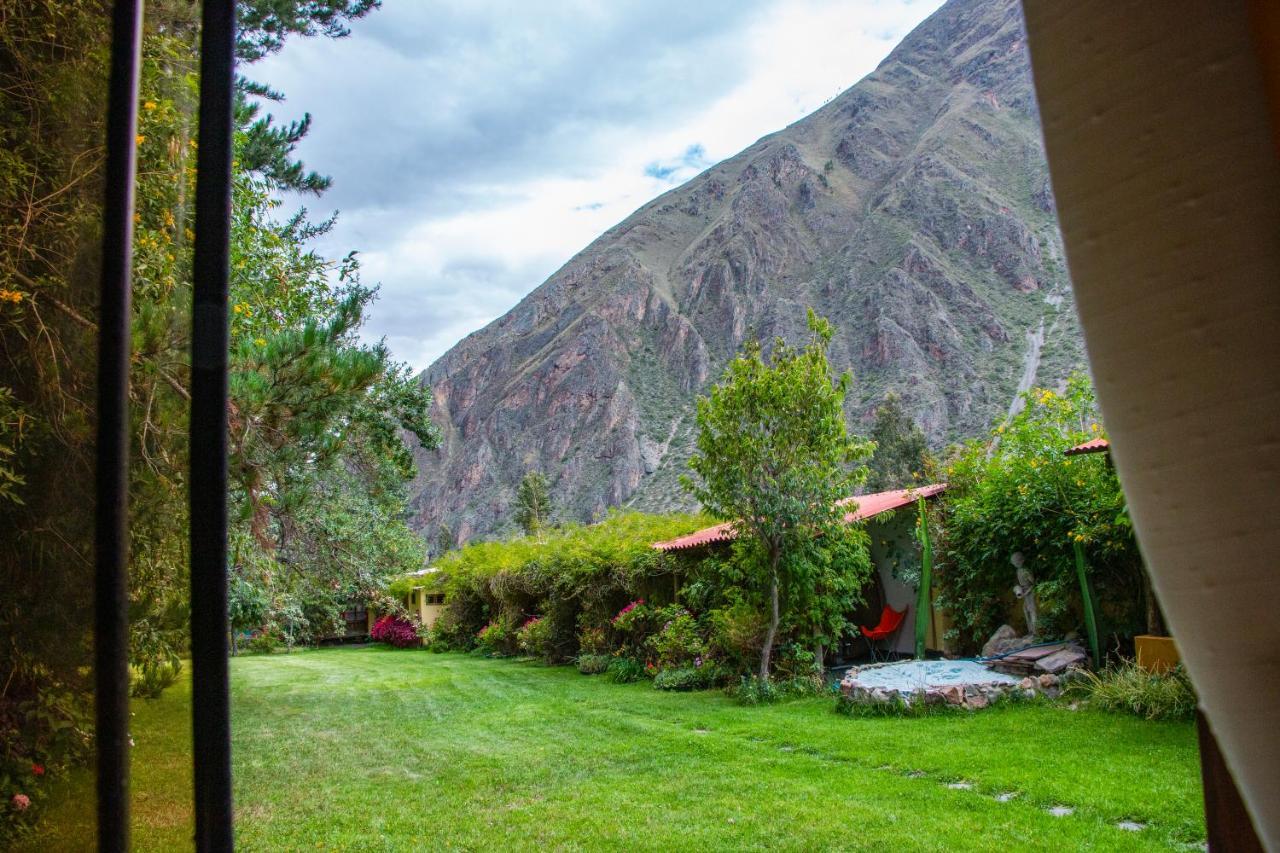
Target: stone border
[(971, 696)]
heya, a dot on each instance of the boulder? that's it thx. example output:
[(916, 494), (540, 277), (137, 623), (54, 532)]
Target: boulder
[(1005, 639)]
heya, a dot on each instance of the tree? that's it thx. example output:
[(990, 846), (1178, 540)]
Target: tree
[(902, 455), (446, 541), (773, 454), (533, 503)]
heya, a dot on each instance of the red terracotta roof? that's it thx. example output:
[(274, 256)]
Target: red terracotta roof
[(868, 506), (1098, 445)]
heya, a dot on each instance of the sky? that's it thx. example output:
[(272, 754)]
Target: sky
[(475, 146)]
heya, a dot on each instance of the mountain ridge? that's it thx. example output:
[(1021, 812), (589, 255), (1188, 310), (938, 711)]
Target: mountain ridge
[(913, 210)]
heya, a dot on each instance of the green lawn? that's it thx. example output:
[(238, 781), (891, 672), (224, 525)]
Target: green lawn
[(372, 749)]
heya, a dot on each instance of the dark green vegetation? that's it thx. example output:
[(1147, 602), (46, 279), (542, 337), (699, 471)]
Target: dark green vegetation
[(1016, 493), (381, 750), (773, 454), (913, 210), (318, 467)]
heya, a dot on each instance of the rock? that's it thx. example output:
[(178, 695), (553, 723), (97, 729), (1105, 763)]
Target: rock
[(933, 697), (592, 378), (953, 695), (1027, 683), (1005, 639), (978, 702), (1046, 681)]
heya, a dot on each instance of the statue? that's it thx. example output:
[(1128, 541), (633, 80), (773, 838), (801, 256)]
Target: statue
[(1025, 591)]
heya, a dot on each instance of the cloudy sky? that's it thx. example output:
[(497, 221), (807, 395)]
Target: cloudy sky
[(477, 145)]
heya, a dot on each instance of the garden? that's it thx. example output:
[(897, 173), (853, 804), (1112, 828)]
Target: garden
[(382, 749)]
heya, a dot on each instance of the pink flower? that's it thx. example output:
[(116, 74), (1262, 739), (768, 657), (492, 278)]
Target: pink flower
[(21, 802), (37, 769)]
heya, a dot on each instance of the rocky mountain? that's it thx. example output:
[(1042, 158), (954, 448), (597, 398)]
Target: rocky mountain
[(914, 211)]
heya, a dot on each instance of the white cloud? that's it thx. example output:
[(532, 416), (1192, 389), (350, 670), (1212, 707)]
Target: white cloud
[(475, 147)]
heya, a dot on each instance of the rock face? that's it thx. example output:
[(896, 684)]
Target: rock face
[(914, 211)]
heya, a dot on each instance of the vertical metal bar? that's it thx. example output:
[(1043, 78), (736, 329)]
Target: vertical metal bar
[(111, 476), (211, 715)]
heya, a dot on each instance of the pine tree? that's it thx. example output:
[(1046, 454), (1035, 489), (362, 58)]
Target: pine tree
[(533, 503), (902, 454)]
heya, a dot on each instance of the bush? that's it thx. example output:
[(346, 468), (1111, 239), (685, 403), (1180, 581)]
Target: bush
[(534, 637), (1016, 493), (149, 680), (625, 671), (678, 643), (1129, 688), (752, 690), (687, 678), (262, 643), (393, 631), (737, 633), (496, 638), (590, 663)]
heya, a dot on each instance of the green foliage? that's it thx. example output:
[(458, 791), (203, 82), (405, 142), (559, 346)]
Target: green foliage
[(679, 642), (533, 504), (901, 457), (534, 637), (1127, 688), (687, 678), (753, 690), (498, 638), (577, 576), (773, 453), (625, 671), (1016, 493), (150, 679), (590, 663)]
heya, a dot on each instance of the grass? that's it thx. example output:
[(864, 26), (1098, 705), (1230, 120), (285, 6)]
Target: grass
[(368, 748)]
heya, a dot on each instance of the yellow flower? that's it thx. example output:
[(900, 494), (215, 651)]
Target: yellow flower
[(141, 139), (13, 296), (149, 105), (1093, 427), (262, 342), (236, 308)]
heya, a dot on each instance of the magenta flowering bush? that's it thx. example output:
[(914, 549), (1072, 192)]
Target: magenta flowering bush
[(400, 633), (631, 614), (534, 637), (496, 638)]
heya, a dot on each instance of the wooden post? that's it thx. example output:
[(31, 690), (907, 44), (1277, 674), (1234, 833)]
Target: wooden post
[(1227, 823)]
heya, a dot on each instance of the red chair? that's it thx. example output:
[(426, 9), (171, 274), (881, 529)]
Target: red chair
[(890, 622)]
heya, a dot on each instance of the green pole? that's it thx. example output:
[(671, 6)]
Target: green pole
[(923, 602), (1086, 595)]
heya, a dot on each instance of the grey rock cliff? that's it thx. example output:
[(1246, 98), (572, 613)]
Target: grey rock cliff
[(914, 211)]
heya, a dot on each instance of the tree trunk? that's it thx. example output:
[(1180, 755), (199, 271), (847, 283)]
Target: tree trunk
[(767, 651), (820, 655)]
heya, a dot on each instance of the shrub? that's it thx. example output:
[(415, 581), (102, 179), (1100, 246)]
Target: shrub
[(698, 677), (678, 642), (592, 641), (496, 638), (534, 637), (1131, 689), (1016, 493), (149, 680), (590, 663), (625, 671), (752, 690), (393, 631), (737, 633), (263, 643)]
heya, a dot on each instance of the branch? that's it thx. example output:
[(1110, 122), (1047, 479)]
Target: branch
[(84, 321)]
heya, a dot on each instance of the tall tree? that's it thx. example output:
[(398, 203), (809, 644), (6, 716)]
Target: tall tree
[(773, 454), (902, 454), (533, 503)]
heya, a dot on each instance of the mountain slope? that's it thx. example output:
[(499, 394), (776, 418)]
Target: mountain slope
[(913, 210)]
